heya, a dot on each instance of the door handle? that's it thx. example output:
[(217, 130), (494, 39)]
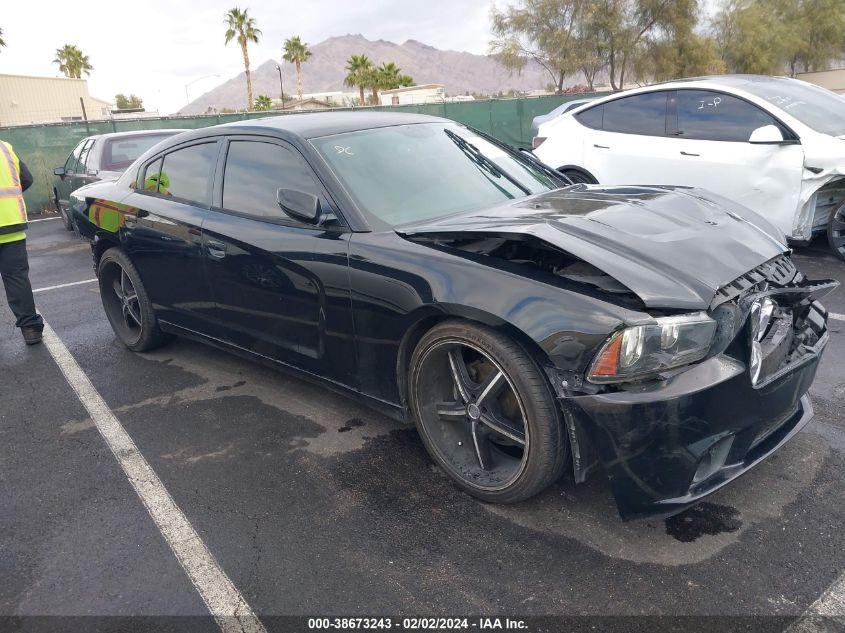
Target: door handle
[(601, 146), (215, 249), (688, 154)]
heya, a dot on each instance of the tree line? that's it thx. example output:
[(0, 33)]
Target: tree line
[(657, 40)]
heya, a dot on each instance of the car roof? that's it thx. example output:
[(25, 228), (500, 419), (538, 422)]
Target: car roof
[(109, 135), (732, 81), (316, 124)]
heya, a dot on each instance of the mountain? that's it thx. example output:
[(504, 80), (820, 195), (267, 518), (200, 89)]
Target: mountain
[(459, 72)]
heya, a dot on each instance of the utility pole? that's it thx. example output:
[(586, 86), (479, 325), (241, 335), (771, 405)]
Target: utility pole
[(281, 86)]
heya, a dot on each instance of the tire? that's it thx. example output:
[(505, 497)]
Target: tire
[(579, 177), (126, 303), (836, 232), (64, 214), (499, 434)]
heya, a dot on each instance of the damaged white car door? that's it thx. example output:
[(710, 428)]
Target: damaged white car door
[(734, 148)]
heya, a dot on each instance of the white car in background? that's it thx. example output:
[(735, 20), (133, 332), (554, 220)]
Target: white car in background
[(774, 144)]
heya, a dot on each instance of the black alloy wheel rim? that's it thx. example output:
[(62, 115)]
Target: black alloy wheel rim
[(121, 301), (472, 415), (837, 231)]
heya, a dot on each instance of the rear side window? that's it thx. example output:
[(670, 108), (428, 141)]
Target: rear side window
[(120, 152), (151, 177), (186, 173), (592, 118), (255, 171), (643, 114), (713, 116)]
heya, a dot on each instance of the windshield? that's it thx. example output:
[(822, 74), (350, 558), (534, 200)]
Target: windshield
[(815, 107), (410, 173), (121, 151)]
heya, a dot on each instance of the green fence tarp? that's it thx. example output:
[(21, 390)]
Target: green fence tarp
[(43, 147)]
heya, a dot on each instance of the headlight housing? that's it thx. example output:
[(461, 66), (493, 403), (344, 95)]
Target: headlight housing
[(644, 350)]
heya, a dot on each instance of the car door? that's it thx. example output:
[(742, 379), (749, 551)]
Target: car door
[(712, 151), (627, 141), (163, 235), (281, 285), (65, 183)]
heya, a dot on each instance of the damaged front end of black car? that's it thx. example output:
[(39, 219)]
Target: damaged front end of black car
[(709, 370)]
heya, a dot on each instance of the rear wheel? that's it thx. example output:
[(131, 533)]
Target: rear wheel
[(579, 177), (486, 413), (836, 232), (126, 303)]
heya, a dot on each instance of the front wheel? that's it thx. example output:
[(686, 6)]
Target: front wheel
[(486, 413), (64, 215), (578, 177), (836, 232), (126, 303)]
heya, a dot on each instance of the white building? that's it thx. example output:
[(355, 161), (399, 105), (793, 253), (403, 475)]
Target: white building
[(426, 93), (25, 100)]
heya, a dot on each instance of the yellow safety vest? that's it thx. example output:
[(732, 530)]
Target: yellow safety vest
[(12, 207)]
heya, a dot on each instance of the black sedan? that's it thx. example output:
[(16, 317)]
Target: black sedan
[(526, 325)]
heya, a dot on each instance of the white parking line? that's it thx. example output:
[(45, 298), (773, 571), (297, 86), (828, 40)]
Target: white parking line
[(68, 285), (838, 317), (831, 604), (58, 217), (223, 600)]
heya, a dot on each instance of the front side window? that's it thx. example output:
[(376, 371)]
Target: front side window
[(186, 173), (643, 114), (403, 174), (255, 171), (73, 159), (83, 157), (713, 116)]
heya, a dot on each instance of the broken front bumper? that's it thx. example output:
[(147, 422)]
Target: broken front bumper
[(665, 446)]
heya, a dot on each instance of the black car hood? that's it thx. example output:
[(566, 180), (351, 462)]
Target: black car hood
[(673, 247)]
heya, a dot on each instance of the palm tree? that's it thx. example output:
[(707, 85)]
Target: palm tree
[(263, 103), (387, 77), (357, 68), (72, 62), (242, 27), (2, 41), (373, 78), (296, 52), (392, 77)]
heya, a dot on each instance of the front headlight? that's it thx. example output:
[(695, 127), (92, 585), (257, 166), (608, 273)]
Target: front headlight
[(642, 350)]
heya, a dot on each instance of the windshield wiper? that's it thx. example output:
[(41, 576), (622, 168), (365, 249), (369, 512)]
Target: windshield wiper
[(478, 157)]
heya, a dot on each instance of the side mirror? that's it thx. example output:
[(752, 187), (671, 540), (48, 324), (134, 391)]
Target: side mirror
[(299, 205), (766, 135), (59, 171), (92, 172)]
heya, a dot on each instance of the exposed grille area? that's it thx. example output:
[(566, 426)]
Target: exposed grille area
[(778, 271)]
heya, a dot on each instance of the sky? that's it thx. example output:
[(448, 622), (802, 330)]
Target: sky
[(154, 48)]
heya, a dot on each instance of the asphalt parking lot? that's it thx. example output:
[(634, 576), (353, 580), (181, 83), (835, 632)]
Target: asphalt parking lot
[(315, 506)]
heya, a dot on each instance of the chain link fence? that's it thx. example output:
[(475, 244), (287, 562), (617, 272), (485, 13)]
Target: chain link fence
[(45, 146)]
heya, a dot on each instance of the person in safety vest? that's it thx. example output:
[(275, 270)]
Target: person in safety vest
[(14, 266), (158, 182)]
